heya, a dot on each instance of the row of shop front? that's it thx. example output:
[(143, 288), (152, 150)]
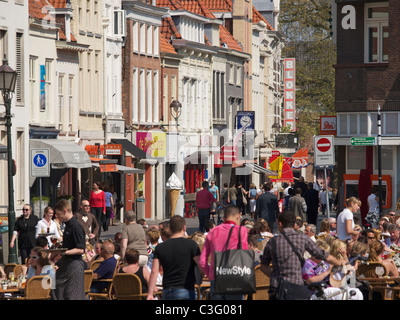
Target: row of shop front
[(138, 168)]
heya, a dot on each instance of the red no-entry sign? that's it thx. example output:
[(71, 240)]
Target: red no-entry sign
[(324, 151), (323, 144)]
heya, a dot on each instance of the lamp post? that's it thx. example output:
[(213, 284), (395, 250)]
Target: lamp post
[(176, 110), (7, 85)]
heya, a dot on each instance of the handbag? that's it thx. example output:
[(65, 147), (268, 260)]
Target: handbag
[(286, 289), (234, 270), (244, 198)]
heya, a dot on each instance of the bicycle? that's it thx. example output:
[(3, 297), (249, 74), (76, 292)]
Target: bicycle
[(347, 289)]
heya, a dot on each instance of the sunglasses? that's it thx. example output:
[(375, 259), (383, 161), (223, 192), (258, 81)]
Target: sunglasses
[(25, 209), (34, 257), (86, 205)]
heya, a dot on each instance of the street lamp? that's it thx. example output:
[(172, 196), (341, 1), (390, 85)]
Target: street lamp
[(8, 79), (176, 110)]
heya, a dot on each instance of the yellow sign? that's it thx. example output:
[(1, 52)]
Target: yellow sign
[(153, 143), (276, 165)]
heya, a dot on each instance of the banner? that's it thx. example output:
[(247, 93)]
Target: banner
[(289, 92), (153, 143)]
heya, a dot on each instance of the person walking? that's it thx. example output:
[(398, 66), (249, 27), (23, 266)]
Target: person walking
[(204, 201), (216, 240), (109, 203), (286, 264), (311, 196), (322, 200), (233, 194), (70, 283), (298, 205), (241, 198), (267, 206), (133, 236), (177, 257), (88, 221), (253, 199), (97, 202), (25, 230), (345, 220)]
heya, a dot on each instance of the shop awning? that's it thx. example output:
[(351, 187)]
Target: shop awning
[(256, 168), (135, 151), (122, 169), (63, 154)]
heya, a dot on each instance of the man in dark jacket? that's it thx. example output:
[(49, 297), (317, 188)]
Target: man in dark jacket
[(312, 201), (267, 206)]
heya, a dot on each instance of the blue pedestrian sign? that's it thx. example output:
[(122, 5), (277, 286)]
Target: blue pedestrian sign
[(40, 166)]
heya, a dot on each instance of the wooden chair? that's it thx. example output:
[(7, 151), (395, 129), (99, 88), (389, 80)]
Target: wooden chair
[(95, 264), (108, 293), (88, 281), (368, 270), (35, 289), (128, 286), (9, 267), (262, 285), (18, 270)]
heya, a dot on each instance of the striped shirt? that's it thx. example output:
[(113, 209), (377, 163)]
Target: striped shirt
[(286, 261)]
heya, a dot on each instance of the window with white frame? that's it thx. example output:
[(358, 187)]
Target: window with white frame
[(149, 40), (71, 83), (119, 22), (239, 75), (142, 95), (60, 101), (135, 95), (135, 36), (156, 99), (33, 87), (149, 93), (156, 42), (376, 32), (88, 21), (142, 38)]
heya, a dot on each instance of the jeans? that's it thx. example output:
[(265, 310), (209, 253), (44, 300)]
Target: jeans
[(216, 296), (178, 294), (25, 252), (204, 216)]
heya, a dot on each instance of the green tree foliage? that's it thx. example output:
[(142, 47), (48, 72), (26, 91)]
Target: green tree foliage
[(306, 25)]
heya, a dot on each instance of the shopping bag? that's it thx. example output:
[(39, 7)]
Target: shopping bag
[(234, 270)]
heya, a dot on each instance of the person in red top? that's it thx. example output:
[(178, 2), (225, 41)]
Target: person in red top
[(204, 201), (216, 240), (97, 201)]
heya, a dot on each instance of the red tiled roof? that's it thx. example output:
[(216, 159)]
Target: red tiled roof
[(172, 4), (165, 46), (58, 3), (197, 7), (169, 29), (226, 37), (257, 17), (36, 10), (219, 5)]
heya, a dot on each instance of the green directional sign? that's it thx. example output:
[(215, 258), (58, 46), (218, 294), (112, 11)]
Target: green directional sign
[(363, 141)]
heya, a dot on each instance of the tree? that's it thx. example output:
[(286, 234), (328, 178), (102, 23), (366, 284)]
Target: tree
[(306, 25)]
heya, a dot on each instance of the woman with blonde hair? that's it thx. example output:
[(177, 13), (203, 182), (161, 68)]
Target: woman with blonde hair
[(345, 220), (375, 254), (339, 250), (253, 199)]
